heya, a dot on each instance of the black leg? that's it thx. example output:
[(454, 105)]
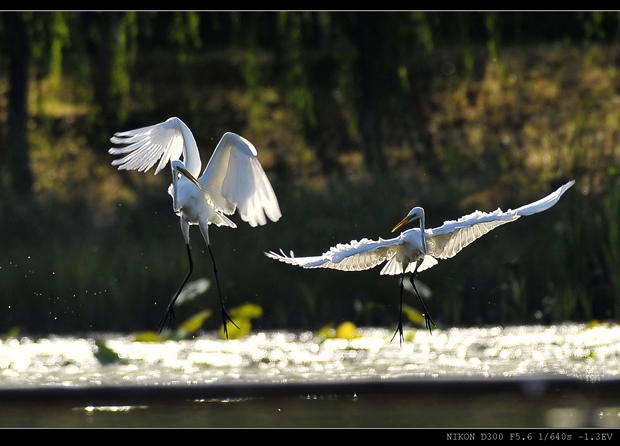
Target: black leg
[(169, 315), (225, 317), (427, 318), (399, 329)]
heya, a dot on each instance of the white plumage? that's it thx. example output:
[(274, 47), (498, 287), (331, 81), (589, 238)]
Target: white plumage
[(232, 180), (417, 249)]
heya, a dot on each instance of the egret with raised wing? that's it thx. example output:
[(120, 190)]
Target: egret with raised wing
[(232, 180), (417, 249)]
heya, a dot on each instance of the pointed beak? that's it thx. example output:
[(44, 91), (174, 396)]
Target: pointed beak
[(189, 176), (403, 222)]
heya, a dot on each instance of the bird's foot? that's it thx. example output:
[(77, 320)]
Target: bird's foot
[(399, 330), (225, 319), (168, 316), (428, 321)]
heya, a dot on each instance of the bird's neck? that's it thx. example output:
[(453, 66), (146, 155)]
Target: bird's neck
[(422, 237)]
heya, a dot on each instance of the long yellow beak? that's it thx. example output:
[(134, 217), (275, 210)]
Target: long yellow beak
[(190, 177), (403, 222)]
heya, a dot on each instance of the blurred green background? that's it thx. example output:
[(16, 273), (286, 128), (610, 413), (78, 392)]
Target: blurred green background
[(356, 117)]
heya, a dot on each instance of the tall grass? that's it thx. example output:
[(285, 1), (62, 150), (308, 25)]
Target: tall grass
[(611, 249), (122, 280), (99, 250)]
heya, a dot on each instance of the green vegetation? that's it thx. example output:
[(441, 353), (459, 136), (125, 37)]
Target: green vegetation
[(450, 111)]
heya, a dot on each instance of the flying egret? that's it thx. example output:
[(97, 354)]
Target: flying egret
[(233, 180), (417, 249)]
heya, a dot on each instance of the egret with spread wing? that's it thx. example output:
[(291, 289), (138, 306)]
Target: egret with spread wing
[(417, 249), (233, 180)]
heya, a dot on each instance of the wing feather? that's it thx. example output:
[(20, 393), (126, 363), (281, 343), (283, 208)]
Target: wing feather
[(163, 142), (441, 243), (353, 256), (546, 202), (235, 180), (450, 238)]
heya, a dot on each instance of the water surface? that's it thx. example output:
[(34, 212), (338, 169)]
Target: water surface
[(536, 376)]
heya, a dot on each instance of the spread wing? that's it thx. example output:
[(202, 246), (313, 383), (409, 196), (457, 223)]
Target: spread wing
[(165, 142), (450, 238), (352, 256), (235, 179), (546, 202)]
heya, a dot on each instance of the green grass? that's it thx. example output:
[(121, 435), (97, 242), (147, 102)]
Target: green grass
[(98, 249), (122, 280)]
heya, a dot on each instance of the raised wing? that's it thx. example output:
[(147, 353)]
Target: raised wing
[(544, 203), (353, 256), (165, 142), (450, 238), (234, 179)]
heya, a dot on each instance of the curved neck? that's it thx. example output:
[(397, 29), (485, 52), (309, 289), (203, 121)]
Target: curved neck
[(191, 156), (422, 229), (175, 181)]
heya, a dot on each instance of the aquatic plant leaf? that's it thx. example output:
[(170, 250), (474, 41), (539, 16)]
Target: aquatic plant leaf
[(347, 330), (148, 336), (326, 332), (247, 311), (423, 289), (413, 315), (244, 324), (12, 333), (106, 355), (192, 290), (195, 322)]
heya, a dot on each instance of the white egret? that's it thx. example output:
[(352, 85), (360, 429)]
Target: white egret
[(417, 249), (232, 180)]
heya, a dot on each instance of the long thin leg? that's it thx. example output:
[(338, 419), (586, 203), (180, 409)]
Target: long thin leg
[(399, 329), (169, 315), (225, 317), (427, 317)]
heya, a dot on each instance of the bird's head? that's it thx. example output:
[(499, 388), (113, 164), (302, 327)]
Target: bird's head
[(416, 212), (178, 166)]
